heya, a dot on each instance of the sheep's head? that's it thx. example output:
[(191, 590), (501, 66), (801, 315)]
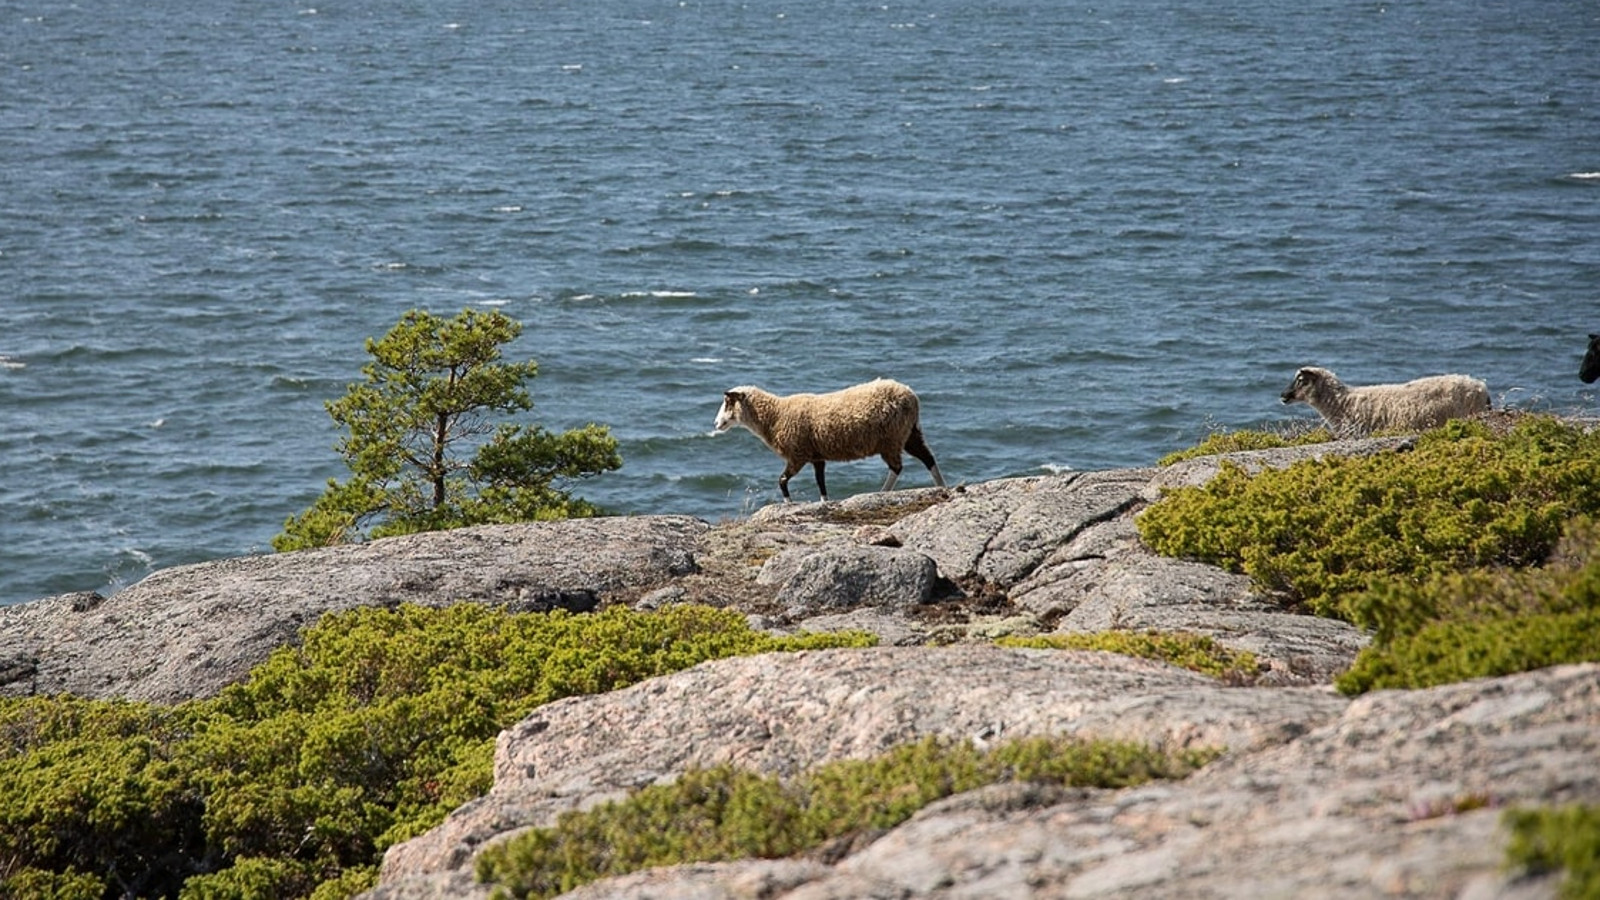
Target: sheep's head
[(1590, 371), (1304, 384), (731, 413)]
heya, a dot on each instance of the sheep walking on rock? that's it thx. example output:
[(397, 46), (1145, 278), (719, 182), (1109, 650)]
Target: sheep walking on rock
[(1413, 406), (879, 418), (1590, 370)]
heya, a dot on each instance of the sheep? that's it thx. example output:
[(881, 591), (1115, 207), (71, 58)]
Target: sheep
[(1590, 370), (1413, 406), (880, 417)]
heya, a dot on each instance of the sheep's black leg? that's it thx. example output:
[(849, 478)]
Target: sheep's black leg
[(789, 469), (918, 447), (818, 465), (892, 460)]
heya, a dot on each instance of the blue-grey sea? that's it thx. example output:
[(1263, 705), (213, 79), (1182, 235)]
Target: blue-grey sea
[(1088, 233)]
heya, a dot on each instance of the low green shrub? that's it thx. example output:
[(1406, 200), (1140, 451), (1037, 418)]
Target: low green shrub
[(1321, 530), (1448, 652), (96, 791), (1451, 554), (1236, 441), (1568, 582), (249, 877), (727, 813), (41, 884), (294, 782), (1191, 651), (1564, 838), (1481, 624)]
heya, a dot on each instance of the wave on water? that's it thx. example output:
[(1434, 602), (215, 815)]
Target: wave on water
[(659, 295), (102, 355), (641, 301), (673, 245), (1272, 273)]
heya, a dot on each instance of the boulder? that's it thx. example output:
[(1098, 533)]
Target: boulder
[(851, 576), (1001, 531)]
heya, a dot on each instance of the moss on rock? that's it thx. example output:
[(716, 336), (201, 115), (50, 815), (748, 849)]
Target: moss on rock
[(728, 813), (1196, 652)]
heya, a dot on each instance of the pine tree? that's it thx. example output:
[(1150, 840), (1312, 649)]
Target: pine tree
[(435, 391)]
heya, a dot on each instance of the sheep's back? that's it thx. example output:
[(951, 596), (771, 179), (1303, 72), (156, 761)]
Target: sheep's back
[(1423, 403), (853, 423)]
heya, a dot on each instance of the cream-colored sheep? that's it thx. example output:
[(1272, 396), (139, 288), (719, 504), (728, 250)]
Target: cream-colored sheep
[(879, 418), (1415, 405)]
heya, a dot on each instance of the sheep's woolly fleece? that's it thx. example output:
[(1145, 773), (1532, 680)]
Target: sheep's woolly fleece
[(879, 418), (1414, 405)]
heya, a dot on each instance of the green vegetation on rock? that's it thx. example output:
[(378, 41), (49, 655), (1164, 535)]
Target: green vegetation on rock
[(294, 782), (1320, 530), (1439, 550), (727, 813), (1453, 627), (95, 799), (1562, 838), (1191, 651), (1236, 441)]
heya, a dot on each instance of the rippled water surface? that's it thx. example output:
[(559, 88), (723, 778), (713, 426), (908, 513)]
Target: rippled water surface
[(1085, 233)]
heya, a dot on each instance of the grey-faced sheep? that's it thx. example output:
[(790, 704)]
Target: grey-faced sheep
[(1413, 406), (1590, 370), (879, 418)]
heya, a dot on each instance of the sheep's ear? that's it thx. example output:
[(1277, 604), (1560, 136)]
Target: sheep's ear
[(1594, 337), (732, 396)]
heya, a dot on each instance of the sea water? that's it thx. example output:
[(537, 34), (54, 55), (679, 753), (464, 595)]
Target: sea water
[(1086, 233)]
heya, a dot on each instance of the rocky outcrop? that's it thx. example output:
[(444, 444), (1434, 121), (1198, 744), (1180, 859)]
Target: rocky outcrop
[(1397, 794), (188, 631), (1393, 794), (779, 714), (1024, 555)]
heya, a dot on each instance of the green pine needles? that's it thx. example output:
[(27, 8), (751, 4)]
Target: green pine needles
[(432, 393)]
